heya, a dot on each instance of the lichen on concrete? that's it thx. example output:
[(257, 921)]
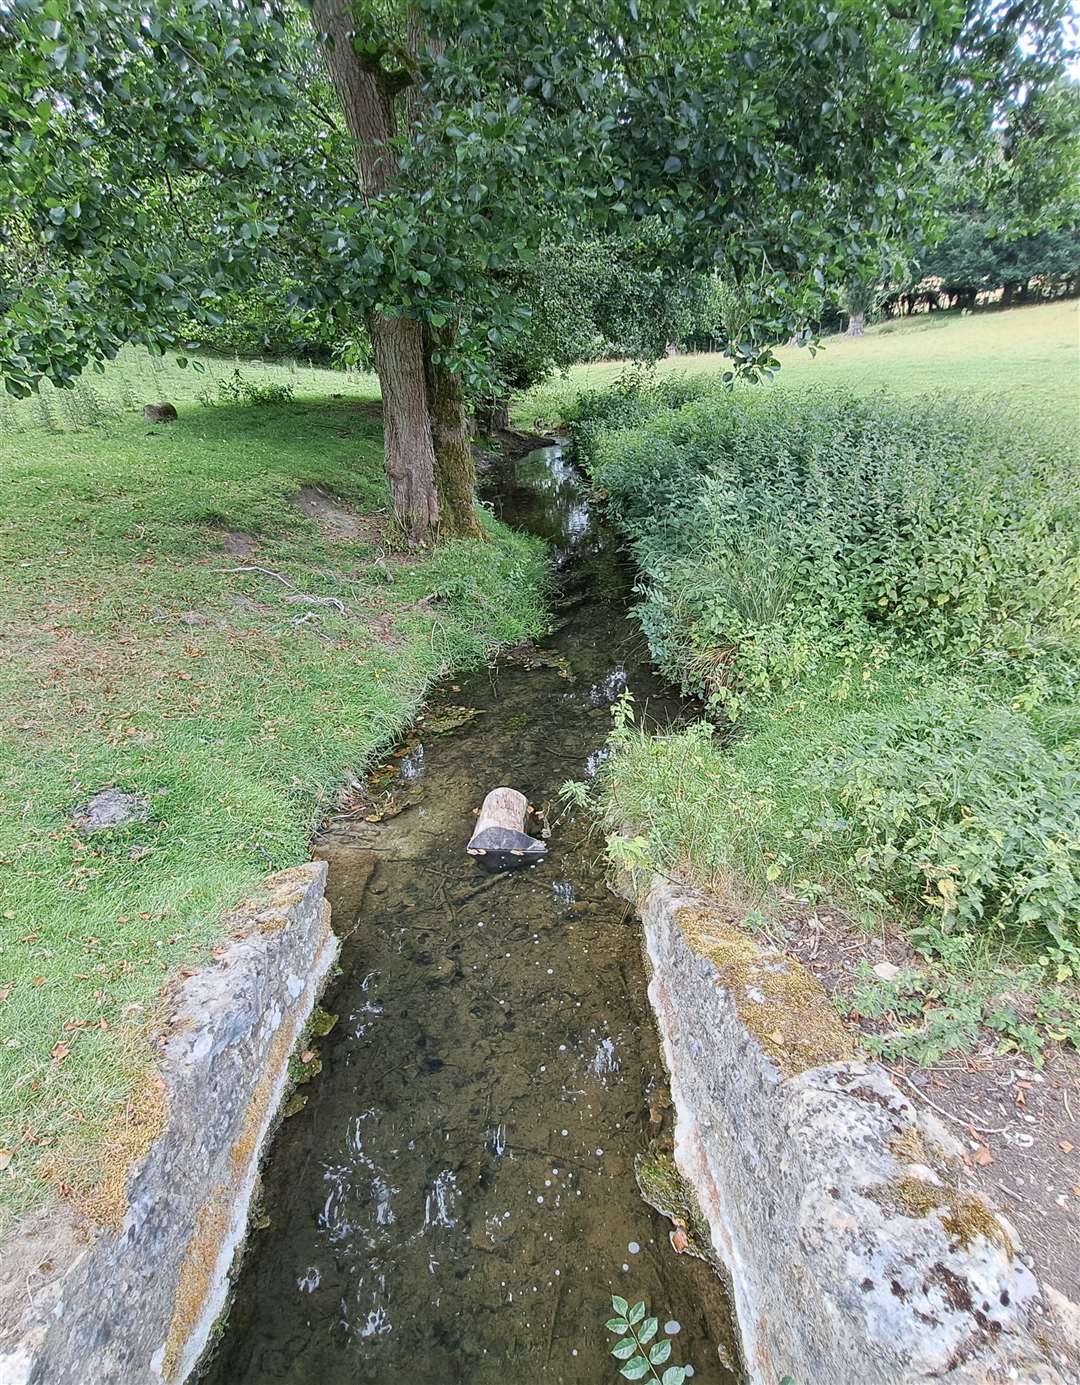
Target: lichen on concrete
[(831, 1198), (964, 1216)]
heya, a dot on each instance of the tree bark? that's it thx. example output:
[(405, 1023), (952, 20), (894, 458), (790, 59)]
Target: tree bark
[(455, 468), (493, 415), (856, 326), (367, 95), (407, 435)]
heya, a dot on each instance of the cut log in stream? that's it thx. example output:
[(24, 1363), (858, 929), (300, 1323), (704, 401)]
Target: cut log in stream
[(499, 840)]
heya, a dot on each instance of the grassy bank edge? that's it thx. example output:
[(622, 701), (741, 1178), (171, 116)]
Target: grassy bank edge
[(152, 641)]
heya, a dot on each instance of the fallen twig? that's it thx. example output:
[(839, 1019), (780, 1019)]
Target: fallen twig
[(1019, 1196), (300, 596), (960, 1120)]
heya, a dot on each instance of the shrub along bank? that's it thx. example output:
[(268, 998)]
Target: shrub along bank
[(878, 603)]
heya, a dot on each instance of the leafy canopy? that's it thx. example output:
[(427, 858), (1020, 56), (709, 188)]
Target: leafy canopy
[(153, 158)]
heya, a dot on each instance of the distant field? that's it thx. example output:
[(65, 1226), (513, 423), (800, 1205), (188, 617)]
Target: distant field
[(1030, 356)]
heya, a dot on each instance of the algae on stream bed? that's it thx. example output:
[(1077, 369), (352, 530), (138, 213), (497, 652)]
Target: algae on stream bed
[(457, 1200)]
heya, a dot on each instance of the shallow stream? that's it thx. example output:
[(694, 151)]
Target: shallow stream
[(456, 1200)]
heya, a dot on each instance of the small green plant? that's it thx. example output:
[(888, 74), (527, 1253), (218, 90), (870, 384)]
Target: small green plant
[(935, 1010), (637, 1349)]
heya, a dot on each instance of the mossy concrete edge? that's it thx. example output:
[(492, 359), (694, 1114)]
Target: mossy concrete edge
[(135, 1304), (803, 1160)]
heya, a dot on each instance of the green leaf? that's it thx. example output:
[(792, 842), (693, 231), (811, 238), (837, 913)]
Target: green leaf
[(660, 1351), (625, 1348), (616, 1325), (647, 1331), (637, 1312), (619, 1304), (674, 1375), (635, 1369)]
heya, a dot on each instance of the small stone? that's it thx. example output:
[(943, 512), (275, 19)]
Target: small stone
[(886, 971), (110, 808)]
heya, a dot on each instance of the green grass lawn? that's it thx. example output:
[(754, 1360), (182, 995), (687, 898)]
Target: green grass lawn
[(136, 654), (1030, 356)]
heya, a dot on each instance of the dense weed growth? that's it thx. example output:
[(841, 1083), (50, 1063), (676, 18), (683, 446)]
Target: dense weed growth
[(777, 534), (879, 604)]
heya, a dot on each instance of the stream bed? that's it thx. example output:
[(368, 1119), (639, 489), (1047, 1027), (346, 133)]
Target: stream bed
[(456, 1200)]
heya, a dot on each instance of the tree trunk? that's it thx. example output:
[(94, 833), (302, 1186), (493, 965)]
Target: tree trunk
[(1008, 293), (410, 454), (367, 100), (493, 415), (455, 469), (856, 326)]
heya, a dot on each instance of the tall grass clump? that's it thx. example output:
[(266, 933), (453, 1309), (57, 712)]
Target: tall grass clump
[(878, 602), (777, 533)]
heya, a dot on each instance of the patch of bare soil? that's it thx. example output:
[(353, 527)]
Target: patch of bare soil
[(238, 544), (1020, 1126), (340, 523)]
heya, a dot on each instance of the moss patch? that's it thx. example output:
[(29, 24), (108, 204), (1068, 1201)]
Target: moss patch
[(663, 1187), (964, 1216), (909, 1147), (777, 1000)]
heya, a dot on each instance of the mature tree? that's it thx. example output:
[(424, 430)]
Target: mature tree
[(398, 164), (1009, 217)]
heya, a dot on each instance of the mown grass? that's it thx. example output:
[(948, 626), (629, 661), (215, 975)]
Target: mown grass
[(1026, 355), (136, 654)]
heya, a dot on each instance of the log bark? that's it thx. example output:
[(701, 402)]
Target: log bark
[(856, 325), (499, 840), (367, 95)]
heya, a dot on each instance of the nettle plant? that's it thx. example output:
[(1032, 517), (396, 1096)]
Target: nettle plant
[(639, 1348), (784, 534)]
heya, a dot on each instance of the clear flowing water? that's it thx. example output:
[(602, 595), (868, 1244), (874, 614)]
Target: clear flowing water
[(456, 1201)]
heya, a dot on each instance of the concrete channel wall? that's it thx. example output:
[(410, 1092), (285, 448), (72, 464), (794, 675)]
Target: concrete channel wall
[(136, 1305), (855, 1257)]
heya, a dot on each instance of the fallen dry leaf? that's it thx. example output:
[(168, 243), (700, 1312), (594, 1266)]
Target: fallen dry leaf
[(5, 991), (1066, 1145), (679, 1240), (60, 1052), (306, 1056), (983, 1156)]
